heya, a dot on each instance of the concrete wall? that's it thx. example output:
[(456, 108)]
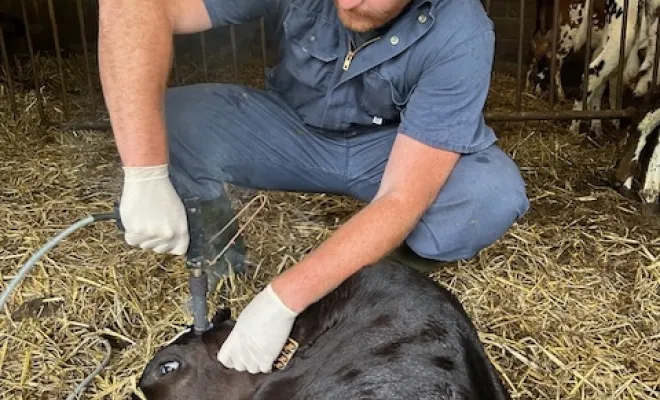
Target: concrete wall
[(506, 16)]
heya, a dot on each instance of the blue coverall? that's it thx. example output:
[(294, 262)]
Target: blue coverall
[(328, 119)]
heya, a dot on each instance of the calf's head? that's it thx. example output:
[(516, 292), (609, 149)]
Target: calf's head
[(538, 75), (187, 368)]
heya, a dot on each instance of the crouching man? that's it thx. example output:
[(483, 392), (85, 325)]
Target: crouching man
[(380, 100)]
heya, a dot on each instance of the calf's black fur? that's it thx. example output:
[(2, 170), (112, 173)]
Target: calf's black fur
[(388, 332)]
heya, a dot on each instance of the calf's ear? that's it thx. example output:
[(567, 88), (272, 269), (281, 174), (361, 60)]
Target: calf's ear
[(216, 336), (221, 315)]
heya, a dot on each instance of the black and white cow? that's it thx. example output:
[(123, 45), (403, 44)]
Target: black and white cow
[(571, 38), (638, 171), (603, 68)]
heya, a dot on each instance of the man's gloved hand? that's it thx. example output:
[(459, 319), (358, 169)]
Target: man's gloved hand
[(151, 211), (259, 335)]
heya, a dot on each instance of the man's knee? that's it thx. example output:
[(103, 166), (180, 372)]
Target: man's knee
[(473, 215), (194, 149), (187, 110)]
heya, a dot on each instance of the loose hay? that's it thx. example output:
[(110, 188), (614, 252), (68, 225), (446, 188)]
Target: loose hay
[(567, 302)]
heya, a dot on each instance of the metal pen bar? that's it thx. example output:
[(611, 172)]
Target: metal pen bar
[(53, 23), (553, 61), (521, 34), (85, 126), (497, 116), (35, 68), (558, 115), (262, 23), (234, 50), (10, 80), (619, 81), (656, 59), (83, 37), (587, 54), (202, 43), (175, 68)]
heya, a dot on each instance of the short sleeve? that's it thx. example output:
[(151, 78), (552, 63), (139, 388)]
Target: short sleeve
[(445, 109), (235, 12)]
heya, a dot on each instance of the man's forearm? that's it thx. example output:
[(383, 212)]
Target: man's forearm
[(363, 239), (135, 50)]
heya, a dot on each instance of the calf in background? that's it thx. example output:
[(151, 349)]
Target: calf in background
[(638, 53), (571, 39), (637, 174)]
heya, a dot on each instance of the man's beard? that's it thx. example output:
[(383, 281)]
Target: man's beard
[(364, 21)]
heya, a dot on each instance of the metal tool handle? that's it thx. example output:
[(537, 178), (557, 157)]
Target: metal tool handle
[(198, 285), (195, 253), (194, 222), (197, 280)]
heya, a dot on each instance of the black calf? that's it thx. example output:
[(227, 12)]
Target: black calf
[(388, 332)]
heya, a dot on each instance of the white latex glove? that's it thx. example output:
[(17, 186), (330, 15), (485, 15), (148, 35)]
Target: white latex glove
[(259, 335), (151, 211)]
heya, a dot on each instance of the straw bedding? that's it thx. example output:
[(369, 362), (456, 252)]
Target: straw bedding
[(567, 302)]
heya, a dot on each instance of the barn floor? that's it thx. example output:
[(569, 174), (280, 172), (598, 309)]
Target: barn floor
[(567, 303)]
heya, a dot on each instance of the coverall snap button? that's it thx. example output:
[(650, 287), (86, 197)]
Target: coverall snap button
[(422, 18), (394, 40)]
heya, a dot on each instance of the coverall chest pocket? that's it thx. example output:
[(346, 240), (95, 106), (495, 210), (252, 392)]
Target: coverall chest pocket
[(380, 97), (312, 48)]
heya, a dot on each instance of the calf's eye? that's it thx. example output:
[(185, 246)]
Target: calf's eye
[(167, 367)]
